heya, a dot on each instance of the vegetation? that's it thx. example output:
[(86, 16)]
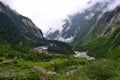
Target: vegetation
[(24, 59), (103, 40), (59, 47), (98, 70), (30, 65), (18, 61)]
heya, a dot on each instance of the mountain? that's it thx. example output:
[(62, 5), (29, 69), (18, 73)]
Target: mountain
[(99, 36), (95, 30), (16, 29), (77, 25), (103, 39)]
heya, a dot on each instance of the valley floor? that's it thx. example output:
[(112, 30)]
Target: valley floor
[(19, 63), (60, 67)]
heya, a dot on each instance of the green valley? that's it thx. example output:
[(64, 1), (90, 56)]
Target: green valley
[(96, 44)]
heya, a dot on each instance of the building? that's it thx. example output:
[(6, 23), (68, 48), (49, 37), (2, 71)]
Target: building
[(41, 49)]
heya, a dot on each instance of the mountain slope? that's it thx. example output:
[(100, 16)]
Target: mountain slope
[(76, 26), (16, 28), (103, 40), (95, 30)]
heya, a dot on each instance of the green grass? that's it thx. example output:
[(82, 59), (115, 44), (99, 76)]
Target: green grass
[(20, 66), (101, 47), (114, 53), (24, 59)]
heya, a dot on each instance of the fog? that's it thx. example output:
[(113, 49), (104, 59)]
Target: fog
[(48, 14)]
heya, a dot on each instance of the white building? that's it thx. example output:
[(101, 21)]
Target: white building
[(41, 49)]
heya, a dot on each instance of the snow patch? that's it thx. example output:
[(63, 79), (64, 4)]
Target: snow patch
[(67, 28), (89, 16), (67, 40)]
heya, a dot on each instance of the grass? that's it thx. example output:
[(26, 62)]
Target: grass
[(59, 64), (25, 60), (24, 57)]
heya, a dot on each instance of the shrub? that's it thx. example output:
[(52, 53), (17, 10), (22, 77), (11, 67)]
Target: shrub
[(100, 70)]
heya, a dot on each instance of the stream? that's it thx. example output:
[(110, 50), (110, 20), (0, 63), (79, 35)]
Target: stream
[(83, 55)]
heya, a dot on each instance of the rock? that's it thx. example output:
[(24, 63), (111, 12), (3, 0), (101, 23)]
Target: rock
[(6, 62), (70, 72), (42, 73), (51, 73)]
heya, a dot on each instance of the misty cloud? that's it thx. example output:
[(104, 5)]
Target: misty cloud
[(48, 14)]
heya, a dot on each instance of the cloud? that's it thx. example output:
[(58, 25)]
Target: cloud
[(48, 14), (114, 5)]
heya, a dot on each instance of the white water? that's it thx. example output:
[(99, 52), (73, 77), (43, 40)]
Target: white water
[(83, 55)]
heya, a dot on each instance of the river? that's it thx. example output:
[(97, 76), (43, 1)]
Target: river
[(83, 55)]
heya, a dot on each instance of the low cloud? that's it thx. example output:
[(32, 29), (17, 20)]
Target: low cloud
[(48, 14)]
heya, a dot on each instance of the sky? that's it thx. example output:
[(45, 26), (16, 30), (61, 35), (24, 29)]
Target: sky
[(47, 14)]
